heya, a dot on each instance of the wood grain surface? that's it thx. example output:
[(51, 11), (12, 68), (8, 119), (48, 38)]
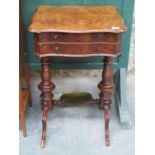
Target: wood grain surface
[(77, 19)]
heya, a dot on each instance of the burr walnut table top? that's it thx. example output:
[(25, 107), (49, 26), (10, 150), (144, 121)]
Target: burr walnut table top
[(77, 19)]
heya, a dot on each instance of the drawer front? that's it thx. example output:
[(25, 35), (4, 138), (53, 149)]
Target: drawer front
[(83, 37), (77, 49)]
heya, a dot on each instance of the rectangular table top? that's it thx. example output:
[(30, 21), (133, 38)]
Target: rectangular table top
[(77, 19)]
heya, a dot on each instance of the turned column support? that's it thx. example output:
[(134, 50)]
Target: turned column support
[(105, 97), (46, 87)]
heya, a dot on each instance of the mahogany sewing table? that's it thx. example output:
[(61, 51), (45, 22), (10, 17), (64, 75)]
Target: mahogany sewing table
[(77, 31)]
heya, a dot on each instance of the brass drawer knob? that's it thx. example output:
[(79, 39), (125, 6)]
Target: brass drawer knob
[(56, 48), (55, 36), (99, 48)]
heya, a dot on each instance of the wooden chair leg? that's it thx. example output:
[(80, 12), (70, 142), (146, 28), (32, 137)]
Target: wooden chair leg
[(21, 109), (27, 77), (22, 118)]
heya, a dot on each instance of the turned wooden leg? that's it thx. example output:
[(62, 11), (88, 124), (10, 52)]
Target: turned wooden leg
[(21, 108), (106, 87), (46, 87)]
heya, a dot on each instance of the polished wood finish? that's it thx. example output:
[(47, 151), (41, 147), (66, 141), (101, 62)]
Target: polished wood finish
[(77, 31), (77, 19), (46, 87), (77, 45), (79, 37), (77, 50), (106, 87)]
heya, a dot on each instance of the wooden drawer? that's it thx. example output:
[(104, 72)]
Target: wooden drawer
[(77, 49), (82, 37)]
